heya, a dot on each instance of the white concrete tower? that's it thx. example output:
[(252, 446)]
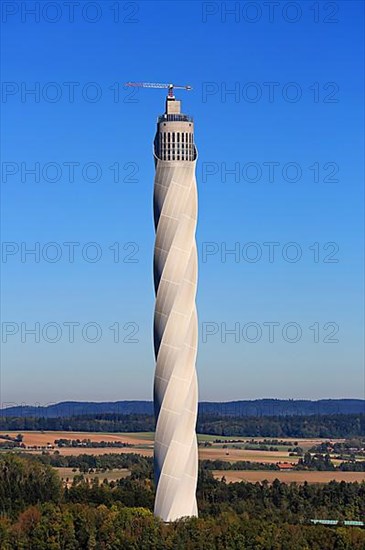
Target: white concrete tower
[(175, 321)]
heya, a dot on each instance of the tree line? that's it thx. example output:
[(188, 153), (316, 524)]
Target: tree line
[(143, 464), (323, 426)]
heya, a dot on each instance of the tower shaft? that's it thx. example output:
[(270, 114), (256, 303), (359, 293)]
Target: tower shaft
[(175, 319)]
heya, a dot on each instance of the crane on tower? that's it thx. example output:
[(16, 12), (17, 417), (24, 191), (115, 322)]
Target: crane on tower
[(170, 87)]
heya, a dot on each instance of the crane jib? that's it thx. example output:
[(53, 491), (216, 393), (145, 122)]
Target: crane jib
[(158, 85)]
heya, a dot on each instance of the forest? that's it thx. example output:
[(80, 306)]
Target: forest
[(324, 426), (39, 512)]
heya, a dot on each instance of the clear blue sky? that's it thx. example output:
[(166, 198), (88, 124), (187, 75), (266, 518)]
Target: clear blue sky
[(311, 115)]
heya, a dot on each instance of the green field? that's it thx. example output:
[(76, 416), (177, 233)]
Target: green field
[(110, 475)]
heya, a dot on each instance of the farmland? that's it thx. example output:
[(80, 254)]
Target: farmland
[(44, 439), (231, 476), (252, 476), (67, 474), (218, 448), (211, 448)]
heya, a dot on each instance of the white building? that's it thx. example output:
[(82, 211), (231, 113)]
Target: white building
[(175, 321)]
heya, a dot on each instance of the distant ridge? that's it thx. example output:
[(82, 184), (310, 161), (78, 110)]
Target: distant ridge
[(257, 407)]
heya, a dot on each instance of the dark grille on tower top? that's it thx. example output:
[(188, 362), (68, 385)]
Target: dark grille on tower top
[(175, 118), (175, 145)]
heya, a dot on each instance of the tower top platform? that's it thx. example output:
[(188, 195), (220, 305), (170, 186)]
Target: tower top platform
[(173, 112)]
